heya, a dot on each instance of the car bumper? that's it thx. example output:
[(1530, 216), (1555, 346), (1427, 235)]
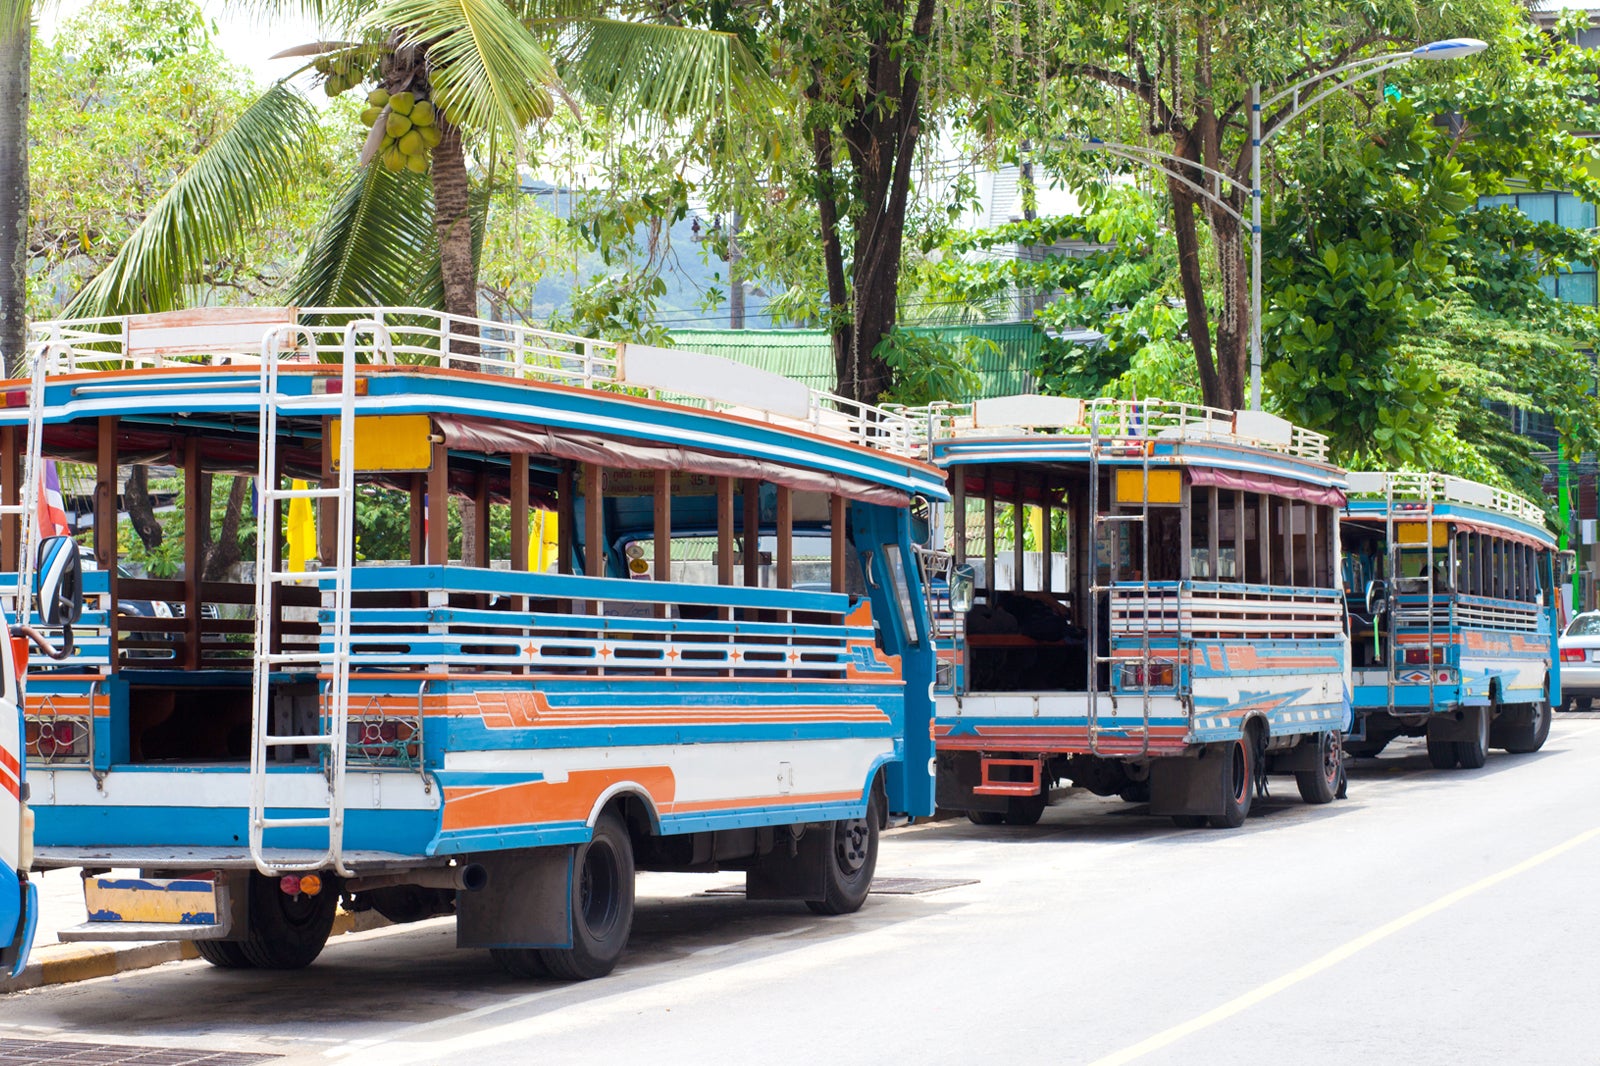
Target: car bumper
[(1580, 679)]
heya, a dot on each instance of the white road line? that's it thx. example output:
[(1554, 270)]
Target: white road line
[(1339, 954)]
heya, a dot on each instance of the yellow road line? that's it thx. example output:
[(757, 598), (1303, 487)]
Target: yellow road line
[(1339, 954)]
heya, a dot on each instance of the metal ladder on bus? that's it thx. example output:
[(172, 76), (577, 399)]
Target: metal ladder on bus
[(1394, 653), (26, 509), (1103, 593), (331, 657)]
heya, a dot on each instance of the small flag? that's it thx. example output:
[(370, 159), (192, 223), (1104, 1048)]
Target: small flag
[(52, 508)]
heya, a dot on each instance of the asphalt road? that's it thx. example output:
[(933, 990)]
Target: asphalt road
[(1433, 917)]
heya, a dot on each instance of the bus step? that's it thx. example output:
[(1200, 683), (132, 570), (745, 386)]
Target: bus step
[(989, 786)]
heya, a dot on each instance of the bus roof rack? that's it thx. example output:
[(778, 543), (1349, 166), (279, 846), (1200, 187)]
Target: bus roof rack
[(1158, 419), (1442, 488), (419, 336)]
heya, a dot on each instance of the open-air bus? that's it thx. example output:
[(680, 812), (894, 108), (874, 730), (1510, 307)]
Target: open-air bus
[(718, 658), (1156, 611), (1451, 590)]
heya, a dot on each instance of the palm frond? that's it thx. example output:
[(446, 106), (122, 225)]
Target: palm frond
[(15, 15), (245, 173), (376, 246), (665, 72), (483, 63)]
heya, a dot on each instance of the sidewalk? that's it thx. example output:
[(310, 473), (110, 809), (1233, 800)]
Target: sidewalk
[(61, 906)]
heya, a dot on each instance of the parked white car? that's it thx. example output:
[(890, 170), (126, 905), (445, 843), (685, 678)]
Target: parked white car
[(1580, 661)]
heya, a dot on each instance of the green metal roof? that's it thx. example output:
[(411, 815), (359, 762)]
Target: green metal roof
[(806, 355)]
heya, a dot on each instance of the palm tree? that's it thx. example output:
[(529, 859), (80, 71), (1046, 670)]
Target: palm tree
[(407, 235), (16, 42)]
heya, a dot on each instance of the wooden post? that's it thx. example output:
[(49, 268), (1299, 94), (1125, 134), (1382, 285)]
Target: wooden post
[(566, 518), (480, 520), (197, 509), (419, 510), (724, 531), (439, 507), (988, 535), (752, 532), (594, 521), (662, 513), (519, 513), (1046, 560), (785, 556), (836, 518), (1019, 529), (105, 518), (958, 511), (328, 512), (11, 485)]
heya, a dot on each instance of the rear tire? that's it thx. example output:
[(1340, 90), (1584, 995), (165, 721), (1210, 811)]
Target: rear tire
[(852, 860), (521, 962), (1322, 784), (602, 905), (287, 932), (1026, 810), (224, 954), (1238, 784), (986, 817), (1442, 754), (1524, 738), (1473, 753)]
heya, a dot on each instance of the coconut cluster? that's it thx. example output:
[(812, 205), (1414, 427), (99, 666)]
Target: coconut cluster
[(410, 128)]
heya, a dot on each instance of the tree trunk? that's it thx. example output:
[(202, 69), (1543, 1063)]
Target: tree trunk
[(141, 509), (14, 62), (1233, 323), (881, 135), (227, 551), (452, 222), (1194, 291)]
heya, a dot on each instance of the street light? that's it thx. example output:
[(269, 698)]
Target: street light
[(1166, 162)]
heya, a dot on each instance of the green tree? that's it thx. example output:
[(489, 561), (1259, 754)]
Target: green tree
[(478, 73)]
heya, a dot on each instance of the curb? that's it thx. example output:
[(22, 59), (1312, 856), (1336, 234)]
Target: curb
[(60, 964)]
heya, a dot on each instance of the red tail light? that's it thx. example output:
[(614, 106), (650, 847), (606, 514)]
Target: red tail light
[(1420, 656), (19, 656), (1572, 655)]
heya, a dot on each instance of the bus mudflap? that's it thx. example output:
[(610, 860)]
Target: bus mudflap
[(14, 956), (1188, 785), (526, 903), (196, 907)]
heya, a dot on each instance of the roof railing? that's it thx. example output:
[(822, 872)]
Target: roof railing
[(1131, 419), (417, 336), (1406, 486)]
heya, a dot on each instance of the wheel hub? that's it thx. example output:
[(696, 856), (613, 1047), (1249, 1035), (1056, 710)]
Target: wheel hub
[(851, 844)]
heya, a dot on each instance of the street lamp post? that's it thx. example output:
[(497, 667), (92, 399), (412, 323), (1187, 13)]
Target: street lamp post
[(1316, 86)]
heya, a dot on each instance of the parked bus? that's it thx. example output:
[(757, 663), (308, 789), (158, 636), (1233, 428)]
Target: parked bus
[(1156, 611), (1451, 590), (508, 729)]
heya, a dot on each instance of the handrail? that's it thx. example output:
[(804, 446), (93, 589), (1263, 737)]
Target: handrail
[(1128, 420), (420, 336), (1411, 487)]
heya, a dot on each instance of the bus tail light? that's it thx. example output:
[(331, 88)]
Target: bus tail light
[(1421, 656)]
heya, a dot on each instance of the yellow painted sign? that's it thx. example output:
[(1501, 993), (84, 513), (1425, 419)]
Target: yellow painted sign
[(388, 443), (1166, 486), (1417, 533)]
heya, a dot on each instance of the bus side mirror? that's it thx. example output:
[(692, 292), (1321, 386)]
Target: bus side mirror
[(1377, 593), (1566, 566), (58, 582), (962, 583)]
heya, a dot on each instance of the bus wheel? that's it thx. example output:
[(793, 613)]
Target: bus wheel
[(1475, 752), (986, 817), (1441, 753), (1026, 810), (1238, 785), (602, 905), (851, 862), (287, 932), (223, 954), (1322, 784), (1529, 736)]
